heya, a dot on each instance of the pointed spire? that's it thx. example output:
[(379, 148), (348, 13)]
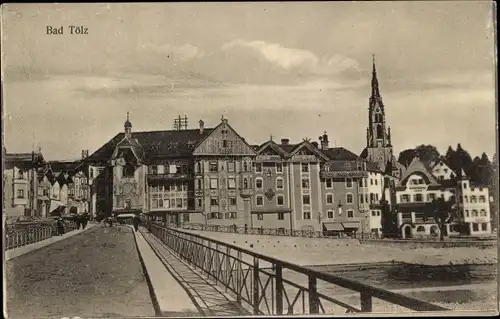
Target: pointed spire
[(375, 88)]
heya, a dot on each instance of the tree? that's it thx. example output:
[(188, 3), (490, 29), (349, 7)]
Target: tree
[(443, 212), (406, 156), (427, 153), (388, 220)]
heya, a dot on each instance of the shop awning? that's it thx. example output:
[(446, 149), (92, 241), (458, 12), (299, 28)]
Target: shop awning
[(126, 216), (335, 226), (351, 225)]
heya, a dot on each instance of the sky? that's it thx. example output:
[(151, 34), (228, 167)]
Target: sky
[(287, 69)]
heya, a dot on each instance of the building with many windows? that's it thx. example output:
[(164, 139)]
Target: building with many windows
[(20, 186), (421, 184)]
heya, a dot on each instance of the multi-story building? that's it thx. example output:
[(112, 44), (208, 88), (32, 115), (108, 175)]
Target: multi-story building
[(212, 176), (21, 184), (419, 186)]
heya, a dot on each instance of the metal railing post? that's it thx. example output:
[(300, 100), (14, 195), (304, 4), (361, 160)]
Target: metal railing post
[(279, 288), (227, 264), (366, 302), (255, 286), (239, 284), (313, 295)]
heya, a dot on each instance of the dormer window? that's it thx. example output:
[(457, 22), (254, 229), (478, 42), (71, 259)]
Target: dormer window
[(20, 174)]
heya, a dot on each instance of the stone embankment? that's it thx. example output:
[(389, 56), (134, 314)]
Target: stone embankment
[(311, 251)]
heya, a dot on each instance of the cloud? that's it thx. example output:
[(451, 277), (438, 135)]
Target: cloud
[(292, 58)]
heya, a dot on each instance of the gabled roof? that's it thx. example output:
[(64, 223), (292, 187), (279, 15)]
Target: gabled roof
[(169, 143), (271, 144), (417, 167), (310, 147)]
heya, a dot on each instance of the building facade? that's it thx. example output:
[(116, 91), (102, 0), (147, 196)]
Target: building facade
[(21, 184), (419, 187)]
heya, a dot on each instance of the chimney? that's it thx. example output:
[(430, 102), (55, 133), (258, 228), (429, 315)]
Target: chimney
[(285, 141), (85, 154), (202, 126), (315, 144), (324, 141)]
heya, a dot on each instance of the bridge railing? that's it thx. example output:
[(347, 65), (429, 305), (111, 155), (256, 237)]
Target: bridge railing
[(15, 237), (269, 286), (271, 231)]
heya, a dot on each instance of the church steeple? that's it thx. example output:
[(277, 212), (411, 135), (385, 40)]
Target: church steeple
[(378, 139), (375, 88)]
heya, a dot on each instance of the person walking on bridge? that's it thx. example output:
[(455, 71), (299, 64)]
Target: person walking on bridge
[(137, 222)]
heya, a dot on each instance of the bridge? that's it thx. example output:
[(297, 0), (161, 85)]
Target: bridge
[(163, 271)]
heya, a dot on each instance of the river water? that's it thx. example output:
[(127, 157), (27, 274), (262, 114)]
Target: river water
[(457, 287)]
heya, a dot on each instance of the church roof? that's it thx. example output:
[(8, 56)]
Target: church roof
[(168, 143)]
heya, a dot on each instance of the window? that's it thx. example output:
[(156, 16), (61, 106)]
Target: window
[(371, 181), (374, 213), (305, 167), (20, 193), (155, 203), (280, 200), (417, 198), (214, 201), (258, 167), (232, 201), (231, 183), (214, 183), (484, 226), (279, 183), (213, 167), (430, 197), (154, 169), (128, 170), (225, 143), (185, 217), (350, 213), (329, 198), (245, 167), (475, 227), (405, 198), (258, 183), (483, 212), (281, 216), (232, 215), (467, 213), (279, 168), (20, 174), (199, 167), (473, 199), (328, 183), (329, 213), (305, 183), (259, 200), (474, 213), (376, 182), (466, 199), (306, 200), (348, 198), (307, 215), (199, 202), (464, 185), (260, 216), (231, 166), (245, 183), (482, 199), (198, 184), (361, 199)]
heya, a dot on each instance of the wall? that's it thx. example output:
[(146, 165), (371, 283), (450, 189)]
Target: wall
[(413, 244)]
